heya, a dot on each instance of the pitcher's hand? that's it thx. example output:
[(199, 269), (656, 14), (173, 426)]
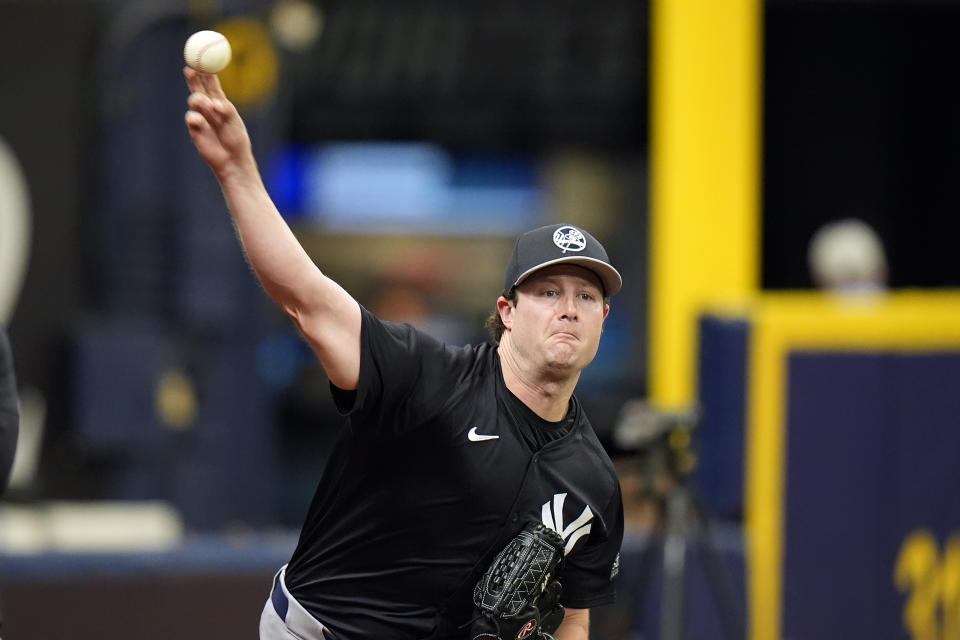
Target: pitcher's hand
[(215, 126)]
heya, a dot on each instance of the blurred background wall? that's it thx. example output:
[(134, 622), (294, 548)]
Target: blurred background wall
[(406, 143)]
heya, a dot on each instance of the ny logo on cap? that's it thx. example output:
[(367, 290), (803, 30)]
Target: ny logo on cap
[(569, 239)]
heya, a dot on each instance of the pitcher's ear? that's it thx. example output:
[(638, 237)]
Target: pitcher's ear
[(506, 308)]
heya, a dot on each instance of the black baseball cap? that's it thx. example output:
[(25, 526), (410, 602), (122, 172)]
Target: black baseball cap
[(560, 244)]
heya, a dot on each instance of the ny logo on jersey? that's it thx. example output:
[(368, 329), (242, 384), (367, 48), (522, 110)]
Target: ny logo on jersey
[(553, 519)]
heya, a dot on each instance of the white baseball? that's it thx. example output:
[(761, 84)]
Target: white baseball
[(207, 51)]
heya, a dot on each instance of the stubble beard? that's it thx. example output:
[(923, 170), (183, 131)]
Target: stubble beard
[(562, 360)]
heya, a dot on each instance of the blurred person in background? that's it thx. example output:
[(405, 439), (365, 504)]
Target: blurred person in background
[(450, 451), (9, 415), (9, 410), (847, 256)]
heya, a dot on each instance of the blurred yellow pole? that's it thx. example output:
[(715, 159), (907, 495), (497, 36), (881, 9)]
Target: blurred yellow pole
[(705, 143)]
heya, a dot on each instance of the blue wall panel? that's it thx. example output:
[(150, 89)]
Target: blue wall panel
[(873, 445), (928, 444), (838, 415), (722, 394)]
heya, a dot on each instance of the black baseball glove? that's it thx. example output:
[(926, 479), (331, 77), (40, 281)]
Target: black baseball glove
[(517, 598)]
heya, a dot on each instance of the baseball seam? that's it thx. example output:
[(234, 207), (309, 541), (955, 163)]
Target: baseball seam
[(202, 50)]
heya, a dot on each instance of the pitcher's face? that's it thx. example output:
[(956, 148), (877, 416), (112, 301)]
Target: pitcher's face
[(557, 318)]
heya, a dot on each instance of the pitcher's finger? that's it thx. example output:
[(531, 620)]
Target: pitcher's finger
[(194, 82), (212, 84), (195, 121), (207, 107)]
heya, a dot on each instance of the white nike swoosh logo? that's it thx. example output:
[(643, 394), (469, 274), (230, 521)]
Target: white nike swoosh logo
[(473, 436)]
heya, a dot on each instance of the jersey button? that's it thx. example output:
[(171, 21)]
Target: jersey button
[(514, 518)]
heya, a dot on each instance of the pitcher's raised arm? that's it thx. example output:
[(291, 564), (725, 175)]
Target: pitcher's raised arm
[(326, 314)]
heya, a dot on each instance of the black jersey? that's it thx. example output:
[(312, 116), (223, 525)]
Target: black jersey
[(434, 473)]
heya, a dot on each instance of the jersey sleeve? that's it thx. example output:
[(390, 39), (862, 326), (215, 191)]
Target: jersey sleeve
[(589, 577), (403, 377)]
